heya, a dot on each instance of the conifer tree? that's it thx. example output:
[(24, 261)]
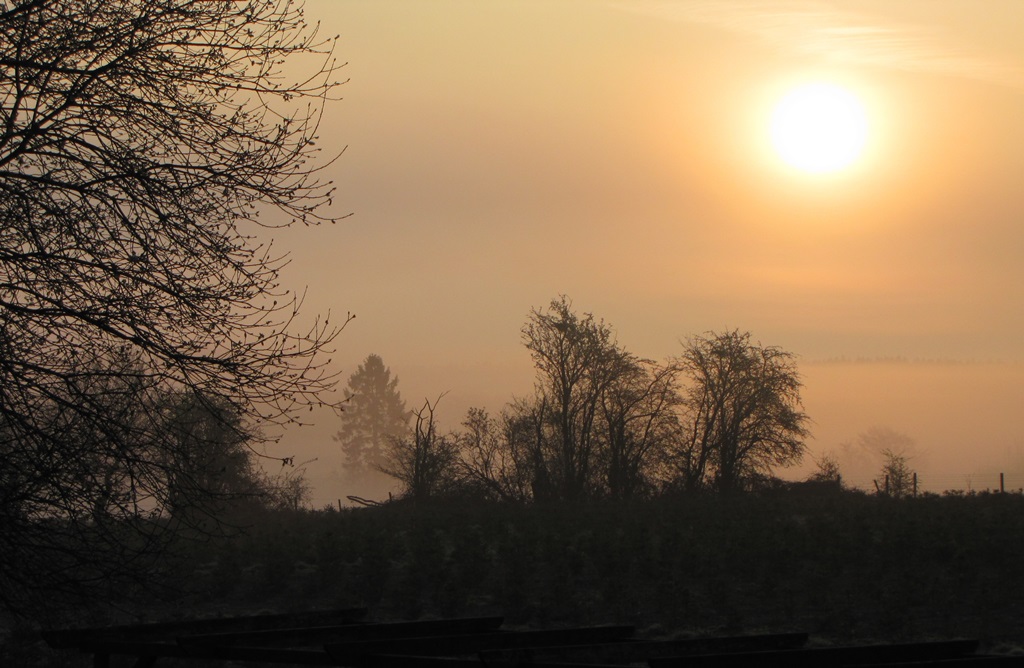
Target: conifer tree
[(374, 413)]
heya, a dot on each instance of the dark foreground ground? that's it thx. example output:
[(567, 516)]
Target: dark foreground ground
[(844, 567)]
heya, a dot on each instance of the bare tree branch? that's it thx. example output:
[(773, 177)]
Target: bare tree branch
[(143, 144)]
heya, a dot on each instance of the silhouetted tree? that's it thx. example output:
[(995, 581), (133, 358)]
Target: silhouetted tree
[(102, 465), (640, 424), (136, 460), (488, 463), (425, 462), (896, 479), (140, 140), (826, 469), (742, 412), (374, 415), (577, 361), (598, 422), (288, 488), (527, 443), (207, 456)]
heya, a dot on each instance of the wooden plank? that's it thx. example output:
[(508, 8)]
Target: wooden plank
[(568, 655), (64, 638), (456, 645), (321, 635), (524, 663), (269, 655), (719, 644), (633, 651), (979, 661), (414, 661), (149, 650), (824, 657)]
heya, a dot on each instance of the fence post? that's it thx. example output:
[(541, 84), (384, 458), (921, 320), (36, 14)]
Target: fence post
[(1001, 487)]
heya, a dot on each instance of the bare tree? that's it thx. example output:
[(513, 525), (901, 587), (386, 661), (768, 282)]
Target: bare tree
[(530, 443), (289, 488), (425, 462), (140, 142), (489, 465), (742, 415), (640, 424), (577, 360), (597, 424)]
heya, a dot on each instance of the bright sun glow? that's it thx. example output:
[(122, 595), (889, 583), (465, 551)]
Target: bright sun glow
[(819, 128)]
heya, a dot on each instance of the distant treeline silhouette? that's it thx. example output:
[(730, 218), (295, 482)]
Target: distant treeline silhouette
[(721, 416), (724, 416)]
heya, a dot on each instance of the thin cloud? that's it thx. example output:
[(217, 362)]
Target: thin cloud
[(816, 28), (902, 361)]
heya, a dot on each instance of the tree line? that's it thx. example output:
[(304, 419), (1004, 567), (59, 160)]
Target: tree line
[(601, 421)]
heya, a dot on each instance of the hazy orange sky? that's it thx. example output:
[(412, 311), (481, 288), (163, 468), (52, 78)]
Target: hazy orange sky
[(502, 153)]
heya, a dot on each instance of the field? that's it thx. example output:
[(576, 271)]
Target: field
[(841, 566)]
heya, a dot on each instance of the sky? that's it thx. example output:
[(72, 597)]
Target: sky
[(499, 154)]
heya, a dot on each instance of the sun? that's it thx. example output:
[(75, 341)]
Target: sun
[(819, 128)]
